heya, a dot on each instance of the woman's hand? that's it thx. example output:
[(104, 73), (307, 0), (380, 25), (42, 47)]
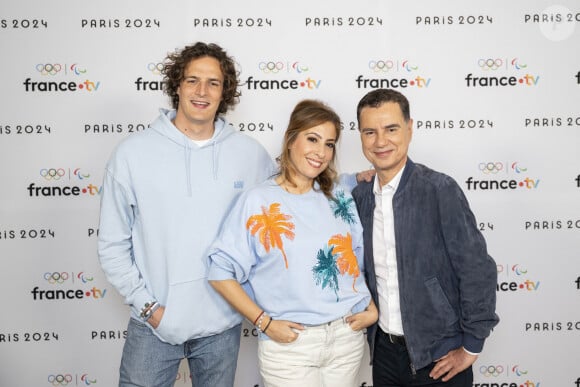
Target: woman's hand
[(283, 331), (363, 319)]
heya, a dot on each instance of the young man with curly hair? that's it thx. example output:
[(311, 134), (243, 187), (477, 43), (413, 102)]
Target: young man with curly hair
[(165, 192)]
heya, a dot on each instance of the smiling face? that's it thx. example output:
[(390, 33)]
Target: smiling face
[(200, 94), (385, 137), (311, 152)]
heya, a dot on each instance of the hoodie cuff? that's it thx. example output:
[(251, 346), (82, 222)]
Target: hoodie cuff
[(472, 344)]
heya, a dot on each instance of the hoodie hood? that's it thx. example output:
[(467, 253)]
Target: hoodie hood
[(165, 127)]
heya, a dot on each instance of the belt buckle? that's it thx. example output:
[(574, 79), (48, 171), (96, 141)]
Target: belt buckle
[(394, 339)]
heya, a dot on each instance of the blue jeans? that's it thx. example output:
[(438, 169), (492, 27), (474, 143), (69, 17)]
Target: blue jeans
[(149, 362)]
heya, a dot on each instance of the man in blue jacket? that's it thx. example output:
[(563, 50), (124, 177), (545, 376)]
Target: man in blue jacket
[(426, 262)]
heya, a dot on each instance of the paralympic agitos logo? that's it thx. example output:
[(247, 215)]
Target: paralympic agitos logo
[(498, 176), (58, 179), (52, 79)]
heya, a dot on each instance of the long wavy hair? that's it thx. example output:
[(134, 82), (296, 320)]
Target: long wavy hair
[(308, 114)]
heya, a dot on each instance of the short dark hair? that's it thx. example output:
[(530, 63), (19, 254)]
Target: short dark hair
[(174, 69), (378, 97)]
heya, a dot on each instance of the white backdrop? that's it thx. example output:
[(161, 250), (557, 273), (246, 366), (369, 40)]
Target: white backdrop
[(494, 90)]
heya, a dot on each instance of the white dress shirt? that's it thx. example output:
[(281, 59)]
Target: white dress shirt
[(385, 256)]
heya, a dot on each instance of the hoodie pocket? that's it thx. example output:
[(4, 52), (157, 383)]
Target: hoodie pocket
[(440, 303), (195, 310)]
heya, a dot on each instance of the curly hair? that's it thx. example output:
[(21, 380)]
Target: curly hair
[(308, 114), (175, 64)]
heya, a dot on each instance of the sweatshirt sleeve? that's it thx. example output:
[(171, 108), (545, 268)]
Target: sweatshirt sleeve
[(475, 269), (115, 247), (232, 254), (348, 180)]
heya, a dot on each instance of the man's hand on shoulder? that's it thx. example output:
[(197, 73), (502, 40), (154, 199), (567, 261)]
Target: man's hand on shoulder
[(365, 176)]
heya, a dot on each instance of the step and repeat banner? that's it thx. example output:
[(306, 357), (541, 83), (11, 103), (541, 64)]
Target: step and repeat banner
[(495, 96)]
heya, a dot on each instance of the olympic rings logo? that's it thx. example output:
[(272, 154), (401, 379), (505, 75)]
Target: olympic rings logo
[(271, 67), (48, 68), (490, 64), (381, 65), (59, 380), (156, 68), (52, 173), (491, 370), (55, 277), (490, 167)]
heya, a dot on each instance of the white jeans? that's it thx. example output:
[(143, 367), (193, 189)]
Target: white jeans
[(327, 355)]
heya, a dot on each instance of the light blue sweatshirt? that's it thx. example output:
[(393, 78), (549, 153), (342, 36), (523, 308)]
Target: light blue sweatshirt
[(299, 256), (163, 201)]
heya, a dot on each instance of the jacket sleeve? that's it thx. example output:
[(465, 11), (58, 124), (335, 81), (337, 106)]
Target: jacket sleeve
[(115, 246), (475, 270)]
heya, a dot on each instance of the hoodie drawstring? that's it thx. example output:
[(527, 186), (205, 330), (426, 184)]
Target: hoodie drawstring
[(187, 151), (215, 160)]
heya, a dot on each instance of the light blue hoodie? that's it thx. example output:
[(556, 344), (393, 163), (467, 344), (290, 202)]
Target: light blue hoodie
[(163, 201)]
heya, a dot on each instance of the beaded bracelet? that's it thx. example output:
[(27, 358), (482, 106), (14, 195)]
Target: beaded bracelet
[(257, 318), (259, 325)]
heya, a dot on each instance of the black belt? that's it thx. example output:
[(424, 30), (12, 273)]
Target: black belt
[(394, 339)]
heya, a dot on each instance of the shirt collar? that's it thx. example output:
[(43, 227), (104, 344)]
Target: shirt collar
[(391, 185)]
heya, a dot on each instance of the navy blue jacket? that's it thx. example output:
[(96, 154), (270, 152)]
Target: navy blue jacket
[(447, 280)]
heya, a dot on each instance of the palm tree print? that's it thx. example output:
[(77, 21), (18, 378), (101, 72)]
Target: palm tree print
[(272, 225), (336, 258), (325, 271), (346, 261), (342, 207)]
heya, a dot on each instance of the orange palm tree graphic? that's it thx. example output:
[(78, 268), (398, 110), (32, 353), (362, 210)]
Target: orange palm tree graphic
[(272, 225), (347, 262)]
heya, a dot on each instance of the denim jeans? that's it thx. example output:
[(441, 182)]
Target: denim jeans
[(149, 362), (327, 355)]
